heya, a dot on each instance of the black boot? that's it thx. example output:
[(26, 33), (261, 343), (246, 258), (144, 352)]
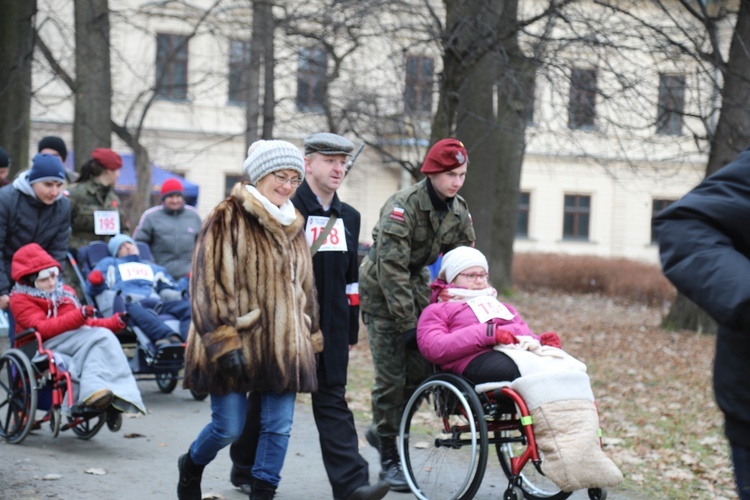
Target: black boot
[(390, 464), (189, 485), (262, 490), (372, 438)]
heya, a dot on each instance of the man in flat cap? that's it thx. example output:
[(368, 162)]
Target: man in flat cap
[(334, 251), (416, 225)]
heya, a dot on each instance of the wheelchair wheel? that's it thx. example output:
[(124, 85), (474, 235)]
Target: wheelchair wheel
[(443, 439), (55, 421), (18, 396), (533, 484), (114, 420), (166, 382), (89, 426)]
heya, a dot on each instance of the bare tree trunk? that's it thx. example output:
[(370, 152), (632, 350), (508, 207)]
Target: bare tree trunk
[(686, 315), (269, 61), (252, 105), (93, 89), (732, 136), (481, 53), (17, 40)]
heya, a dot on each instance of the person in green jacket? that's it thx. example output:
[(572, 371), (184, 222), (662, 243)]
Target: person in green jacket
[(416, 225), (96, 209)]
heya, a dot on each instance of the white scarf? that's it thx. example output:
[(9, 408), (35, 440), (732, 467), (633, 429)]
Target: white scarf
[(285, 214), (464, 294), (54, 298)]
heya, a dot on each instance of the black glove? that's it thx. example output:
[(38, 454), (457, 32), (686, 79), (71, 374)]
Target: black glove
[(409, 337), (232, 365)]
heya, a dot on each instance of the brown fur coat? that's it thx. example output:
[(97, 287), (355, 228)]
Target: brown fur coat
[(252, 288)]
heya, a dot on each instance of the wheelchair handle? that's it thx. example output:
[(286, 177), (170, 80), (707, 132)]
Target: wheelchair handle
[(24, 333)]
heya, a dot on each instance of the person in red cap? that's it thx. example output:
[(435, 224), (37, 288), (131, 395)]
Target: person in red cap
[(170, 229), (416, 225), (97, 211)]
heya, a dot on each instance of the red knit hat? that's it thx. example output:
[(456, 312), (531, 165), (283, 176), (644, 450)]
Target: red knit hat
[(107, 158), (445, 155), (171, 186)]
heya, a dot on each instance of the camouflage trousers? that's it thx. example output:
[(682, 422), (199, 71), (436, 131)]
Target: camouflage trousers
[(398, 372)]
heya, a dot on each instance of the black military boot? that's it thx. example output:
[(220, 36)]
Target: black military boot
[(261, 490), (390, 464), (189, 486)]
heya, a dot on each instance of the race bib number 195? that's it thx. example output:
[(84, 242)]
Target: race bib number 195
[(106, 222)]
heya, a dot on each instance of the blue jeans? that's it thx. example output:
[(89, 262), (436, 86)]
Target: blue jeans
[(227, 420), (741, 460)]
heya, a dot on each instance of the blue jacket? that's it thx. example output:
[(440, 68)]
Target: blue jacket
[(132, 276), (704, 242)]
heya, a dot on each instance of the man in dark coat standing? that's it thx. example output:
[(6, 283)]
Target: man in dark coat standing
[(704, 242), (335, 266), (33, 210)]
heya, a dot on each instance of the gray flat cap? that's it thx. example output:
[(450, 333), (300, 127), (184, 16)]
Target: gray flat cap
[(326, 143)]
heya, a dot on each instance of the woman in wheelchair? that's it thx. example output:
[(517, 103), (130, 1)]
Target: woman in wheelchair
[(144, 286), (91, 352), (467, 331), (459, 330)]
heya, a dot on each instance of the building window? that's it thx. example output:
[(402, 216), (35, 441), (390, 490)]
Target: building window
[(531, 102), (582, 106), (577, 212), (418, 89), (671, 104), (656, 208), (311, 79), (229, 182), (171, 66), (522, 224), (239, 68)]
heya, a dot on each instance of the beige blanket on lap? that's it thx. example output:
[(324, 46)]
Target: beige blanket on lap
[(566, 427)]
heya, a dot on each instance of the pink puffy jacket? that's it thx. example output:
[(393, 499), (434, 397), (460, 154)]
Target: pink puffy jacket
[(450, 335)]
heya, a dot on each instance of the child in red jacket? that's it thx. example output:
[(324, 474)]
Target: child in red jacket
[(92, 354)]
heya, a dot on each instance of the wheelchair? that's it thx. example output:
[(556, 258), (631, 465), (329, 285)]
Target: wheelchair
[(446, 432), (31, 379), (146, 361)]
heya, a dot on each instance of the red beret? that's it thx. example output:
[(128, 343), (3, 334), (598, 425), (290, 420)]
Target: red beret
[(171, 186), (107, 158), (445, 155)]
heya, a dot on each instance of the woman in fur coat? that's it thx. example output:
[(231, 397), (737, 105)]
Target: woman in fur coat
[(255, 326)]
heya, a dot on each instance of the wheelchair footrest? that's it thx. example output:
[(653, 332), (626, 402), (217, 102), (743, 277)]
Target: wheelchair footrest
[(169, 353)]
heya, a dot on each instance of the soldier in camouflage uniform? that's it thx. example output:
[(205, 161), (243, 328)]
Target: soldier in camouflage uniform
[(95, 192), (96, 210), (416, 225)]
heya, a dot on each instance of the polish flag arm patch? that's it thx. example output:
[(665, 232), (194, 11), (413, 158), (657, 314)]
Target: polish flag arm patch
[(398, 214), (352, 294)]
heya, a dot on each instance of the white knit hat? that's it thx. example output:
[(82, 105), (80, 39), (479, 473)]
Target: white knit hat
[(265, 157), (459, 259), (46, 273)]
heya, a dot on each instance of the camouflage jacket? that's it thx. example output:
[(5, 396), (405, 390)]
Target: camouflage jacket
[(410, 235), (85, 199)]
